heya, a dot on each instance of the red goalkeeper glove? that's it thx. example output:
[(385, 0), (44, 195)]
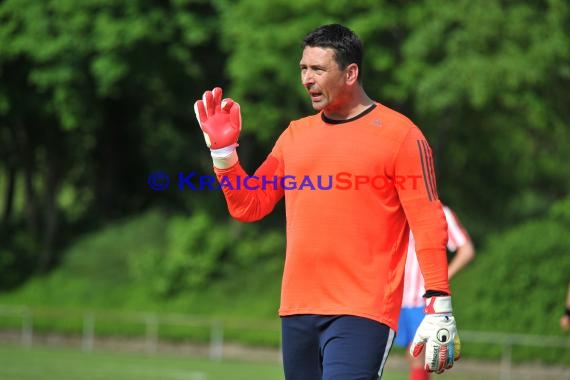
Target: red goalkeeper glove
[(438, 334), (220, 121)]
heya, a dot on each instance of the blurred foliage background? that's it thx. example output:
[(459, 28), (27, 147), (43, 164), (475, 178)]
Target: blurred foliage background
[(95, 95)]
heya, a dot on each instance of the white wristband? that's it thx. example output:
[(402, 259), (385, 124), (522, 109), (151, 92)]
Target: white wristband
[(224, 158), (438, 305)]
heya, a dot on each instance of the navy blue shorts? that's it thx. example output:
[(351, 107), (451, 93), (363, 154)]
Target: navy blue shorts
[(342, 347)]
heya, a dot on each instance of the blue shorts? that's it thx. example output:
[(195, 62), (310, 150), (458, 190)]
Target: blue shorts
[(410, 319), (321, 347)]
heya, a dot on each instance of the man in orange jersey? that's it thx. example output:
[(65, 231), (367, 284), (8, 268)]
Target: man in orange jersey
[(346, 246), (413, 302)]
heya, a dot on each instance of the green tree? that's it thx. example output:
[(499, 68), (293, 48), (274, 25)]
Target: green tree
[(488, 79), (525, 271), (94, 95), (485, 81)]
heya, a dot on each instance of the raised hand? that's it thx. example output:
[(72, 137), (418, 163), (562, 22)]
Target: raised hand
[(220, 121)]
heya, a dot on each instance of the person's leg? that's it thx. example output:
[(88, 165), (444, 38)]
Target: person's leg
[(300, 345), (418, 373), (417, 365), (354, 348)]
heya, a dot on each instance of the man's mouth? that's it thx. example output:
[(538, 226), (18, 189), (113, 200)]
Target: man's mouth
[(315, 96)]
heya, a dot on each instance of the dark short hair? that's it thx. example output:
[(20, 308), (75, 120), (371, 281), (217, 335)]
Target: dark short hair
[(345, 43)]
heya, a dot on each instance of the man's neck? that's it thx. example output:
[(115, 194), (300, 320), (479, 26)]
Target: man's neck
[(358, 103)]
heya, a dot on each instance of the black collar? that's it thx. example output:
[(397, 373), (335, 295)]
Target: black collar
[(333, 121)]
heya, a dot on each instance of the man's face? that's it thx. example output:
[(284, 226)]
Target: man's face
[(322, 77)]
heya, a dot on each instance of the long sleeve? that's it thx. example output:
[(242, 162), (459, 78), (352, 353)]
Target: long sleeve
[(250, 198), (423, 209)]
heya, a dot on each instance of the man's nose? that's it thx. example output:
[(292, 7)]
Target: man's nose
[(307, 78)]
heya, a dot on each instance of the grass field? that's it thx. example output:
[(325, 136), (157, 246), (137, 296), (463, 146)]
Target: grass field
[(49, 363), (57, 363), (46, 363), (17, 363)]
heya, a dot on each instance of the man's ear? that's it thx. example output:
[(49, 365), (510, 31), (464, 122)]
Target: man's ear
[(351, 73)]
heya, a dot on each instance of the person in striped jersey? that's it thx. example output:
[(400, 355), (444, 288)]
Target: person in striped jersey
[(413, 301)]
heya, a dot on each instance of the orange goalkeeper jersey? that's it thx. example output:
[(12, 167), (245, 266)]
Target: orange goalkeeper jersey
[(352, 190)]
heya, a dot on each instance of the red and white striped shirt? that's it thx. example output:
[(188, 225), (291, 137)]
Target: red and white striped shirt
[(413, 281)]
